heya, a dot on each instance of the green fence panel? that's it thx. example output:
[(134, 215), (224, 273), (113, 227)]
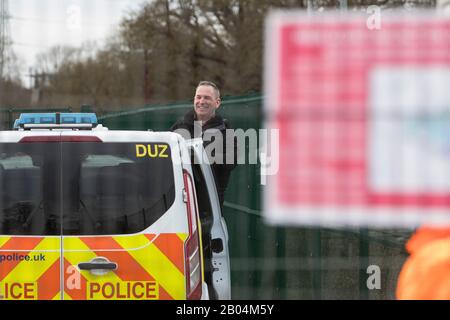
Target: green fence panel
[(270, 262), (8, 115), (283, 262)]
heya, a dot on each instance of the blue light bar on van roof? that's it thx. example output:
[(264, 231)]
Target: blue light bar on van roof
[(55, 118)]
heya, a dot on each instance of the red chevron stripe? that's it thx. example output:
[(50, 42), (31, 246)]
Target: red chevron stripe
[(164, 295), (49, 282), (71, 278), (21, 243), (17, 243), (172, 247), (128, 268), (150, 237), (100, 243)]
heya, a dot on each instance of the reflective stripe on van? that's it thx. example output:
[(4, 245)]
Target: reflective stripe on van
[(149, 267)]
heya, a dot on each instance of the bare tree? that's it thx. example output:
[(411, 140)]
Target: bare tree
[(163, 49)]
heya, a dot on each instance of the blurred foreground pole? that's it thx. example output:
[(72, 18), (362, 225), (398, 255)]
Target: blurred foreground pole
[(309, 6)]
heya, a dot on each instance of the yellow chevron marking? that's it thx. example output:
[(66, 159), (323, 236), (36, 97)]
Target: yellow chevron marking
[(157, 265), (136, 290), (3, 240), (74, 243), (201, 251), (136, 242), (40, 260), (78, 252), (18, 291), (183, 236), (58, 296)]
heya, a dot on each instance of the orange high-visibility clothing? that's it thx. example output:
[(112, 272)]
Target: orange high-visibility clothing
[(426, 273)]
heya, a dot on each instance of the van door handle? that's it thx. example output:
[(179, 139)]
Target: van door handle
[(98, 263), (97, 266)]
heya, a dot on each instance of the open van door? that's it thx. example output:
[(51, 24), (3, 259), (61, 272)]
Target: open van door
[(214, 228)]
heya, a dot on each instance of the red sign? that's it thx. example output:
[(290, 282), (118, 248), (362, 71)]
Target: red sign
[(363, 118)]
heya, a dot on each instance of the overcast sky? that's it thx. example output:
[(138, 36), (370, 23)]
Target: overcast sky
[(37, 25)]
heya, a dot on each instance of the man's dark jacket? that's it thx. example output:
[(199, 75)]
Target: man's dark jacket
[(221, 171)]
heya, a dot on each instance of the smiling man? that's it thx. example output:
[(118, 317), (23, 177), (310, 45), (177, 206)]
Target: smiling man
[(204, 118), (206, 101), (204, 122)]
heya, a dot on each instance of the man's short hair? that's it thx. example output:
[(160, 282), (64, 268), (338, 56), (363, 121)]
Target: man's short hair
[(211, 84)]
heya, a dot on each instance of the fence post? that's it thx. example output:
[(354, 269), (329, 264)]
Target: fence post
[(10, 119), (363, 263), (317, 272), (280, 276)]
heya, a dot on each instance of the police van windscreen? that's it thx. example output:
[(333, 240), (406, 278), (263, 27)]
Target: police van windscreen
[(83, 188)]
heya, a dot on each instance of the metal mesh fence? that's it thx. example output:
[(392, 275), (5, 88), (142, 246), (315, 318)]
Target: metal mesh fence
[(8, 115), (276, 262), (283, 262)]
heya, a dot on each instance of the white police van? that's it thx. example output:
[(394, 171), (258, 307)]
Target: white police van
[(88, 213)]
